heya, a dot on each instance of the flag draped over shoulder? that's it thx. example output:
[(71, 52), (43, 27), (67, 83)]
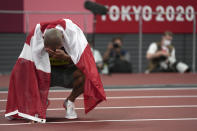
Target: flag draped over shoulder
[(30, 77)]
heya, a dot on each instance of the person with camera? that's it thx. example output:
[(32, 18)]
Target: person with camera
[(161, 56), (116, 58)]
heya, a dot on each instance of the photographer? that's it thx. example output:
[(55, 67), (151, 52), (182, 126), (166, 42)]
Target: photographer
[(161, 56), (116, 58)]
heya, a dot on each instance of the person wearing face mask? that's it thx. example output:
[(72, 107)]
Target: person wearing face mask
[(161, 56)]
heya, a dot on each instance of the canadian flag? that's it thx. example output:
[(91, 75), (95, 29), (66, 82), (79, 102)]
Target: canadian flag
[(30, 77)]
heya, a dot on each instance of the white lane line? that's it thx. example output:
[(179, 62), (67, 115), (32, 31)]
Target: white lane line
[(99, 121), (132, 107), (138, 97), (140, 89), (125, 107), (153, 89), (128, 97), (133, 89), (135, 107), (2, 92)]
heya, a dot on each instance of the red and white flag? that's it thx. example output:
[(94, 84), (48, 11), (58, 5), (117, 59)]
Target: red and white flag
[(30, 77)]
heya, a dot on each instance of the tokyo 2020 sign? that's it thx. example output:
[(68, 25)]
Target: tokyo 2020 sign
[(156, 16)]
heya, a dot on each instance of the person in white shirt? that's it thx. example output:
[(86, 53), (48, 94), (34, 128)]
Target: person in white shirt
[(97, 57), (161, 56)]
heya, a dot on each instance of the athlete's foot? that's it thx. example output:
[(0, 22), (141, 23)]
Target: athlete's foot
[(70, 110)]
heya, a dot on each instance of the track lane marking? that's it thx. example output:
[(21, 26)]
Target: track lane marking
[(133, 89), (128, 97), (99, 121), (124, 107)]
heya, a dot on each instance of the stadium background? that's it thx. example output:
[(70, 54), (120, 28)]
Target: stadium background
[(20, 16), (137, 101)]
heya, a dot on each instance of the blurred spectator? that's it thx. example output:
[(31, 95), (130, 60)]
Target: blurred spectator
[(117, 60), (97, 57), (161, 56)]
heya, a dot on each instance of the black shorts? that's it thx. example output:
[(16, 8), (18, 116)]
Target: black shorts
[(61, 76)]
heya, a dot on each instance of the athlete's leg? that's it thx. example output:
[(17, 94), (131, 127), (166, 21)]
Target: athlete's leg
[(77, 85)]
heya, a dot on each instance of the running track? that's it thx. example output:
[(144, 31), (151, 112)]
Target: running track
[(152, 109)]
